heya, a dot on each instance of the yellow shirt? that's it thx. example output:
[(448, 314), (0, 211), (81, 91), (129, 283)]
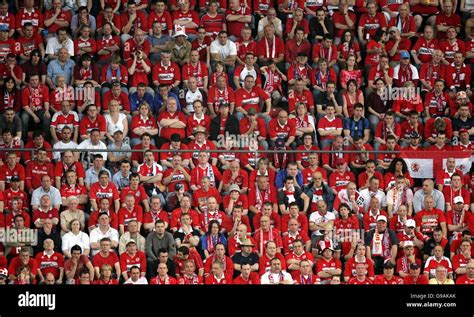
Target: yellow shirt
[(434, 281)]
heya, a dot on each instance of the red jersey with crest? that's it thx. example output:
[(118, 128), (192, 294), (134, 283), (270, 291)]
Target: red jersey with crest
[(35, 17), (264, 263), (217, 96), (176, 215), (98, 192), (35, 171), (325, 265), (141, 22), (429, 220), (199, 71), (191, 16), (152, 217), (425, 49), (380, 279), (191, 280), (26, 45), (290, 238), (64, 16), (276, 130), (244, 48), (168, 280), (6, 173), (202, 48), (340, 181), (126, 215), (450, 48), (166, 75), (372, 24), (350, 267), (250, 99), (193, 256), (86, 124), (8, 20), (127, 261), (458, 77), (131, 46), (164, 20), (305, 97), (41, 215), (104, 43), (50, 263), (35, 97)]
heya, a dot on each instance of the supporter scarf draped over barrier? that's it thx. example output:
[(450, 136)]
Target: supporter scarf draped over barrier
[(427, 163)]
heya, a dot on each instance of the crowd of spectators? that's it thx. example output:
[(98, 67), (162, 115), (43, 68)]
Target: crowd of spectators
[(111, 113)]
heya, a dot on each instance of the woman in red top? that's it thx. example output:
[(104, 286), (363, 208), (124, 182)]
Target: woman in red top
[(350, 71), (350, 97), (397, 167), (10, 96), (85, 71), (141, 123), (348, 46), (347, 228), (106, 277)]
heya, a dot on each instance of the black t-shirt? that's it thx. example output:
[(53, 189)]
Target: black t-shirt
[(431, 244), (458, 124), (370, 236)]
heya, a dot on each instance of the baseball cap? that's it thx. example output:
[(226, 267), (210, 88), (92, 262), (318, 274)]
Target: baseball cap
[(4, 28), (461, 94), (410, 223), (130, 241), (388, 265), (414, 135), (175, 137), (280, 142), (340, 161), (381, 218), (458, 200), (252, 112), (404, 54), (199, 129), (116, 83), (414, 266), (234, 187), (408, 243), (463, 131), (393, 28), (15, 179), (247, 243)]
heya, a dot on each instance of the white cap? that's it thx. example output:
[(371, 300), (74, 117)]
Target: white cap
[(408, 243), (179, 30), (458, 199), (382, 218), (410, 223)]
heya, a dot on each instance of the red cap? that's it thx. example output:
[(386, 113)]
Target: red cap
[(340, 161), (463, 131)]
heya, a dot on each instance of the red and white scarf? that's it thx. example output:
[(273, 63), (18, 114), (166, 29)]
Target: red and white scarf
[(267, 47), (261, 197), (262, 240), (281, 278), (381, 245)]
